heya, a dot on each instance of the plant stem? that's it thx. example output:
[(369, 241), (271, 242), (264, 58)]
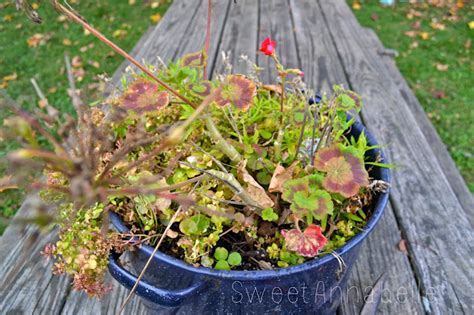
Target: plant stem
[(73, 16), (208, 37), (221, 144)]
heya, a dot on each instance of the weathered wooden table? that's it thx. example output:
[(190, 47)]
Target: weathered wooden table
[(430, 208)]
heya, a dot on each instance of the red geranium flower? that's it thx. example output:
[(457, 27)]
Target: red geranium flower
[(307, 243), (268, 46)]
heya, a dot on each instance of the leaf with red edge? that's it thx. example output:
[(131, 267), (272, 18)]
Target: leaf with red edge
[(345, 172), (193, 60), (202, 88), (143, 96), (307, 243), (236, 90)]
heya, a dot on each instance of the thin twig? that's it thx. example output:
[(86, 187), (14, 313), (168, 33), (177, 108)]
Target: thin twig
[(73, 16)]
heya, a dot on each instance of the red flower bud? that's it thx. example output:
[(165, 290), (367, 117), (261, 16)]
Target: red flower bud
[(268, 46)]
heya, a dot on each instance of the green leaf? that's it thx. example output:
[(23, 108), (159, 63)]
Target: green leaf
[(382, 165), (234, 259), (269, 215), (222, 265), (195, 225), (221, 253)]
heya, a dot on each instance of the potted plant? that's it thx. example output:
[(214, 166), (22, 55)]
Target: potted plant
[(229, 194)]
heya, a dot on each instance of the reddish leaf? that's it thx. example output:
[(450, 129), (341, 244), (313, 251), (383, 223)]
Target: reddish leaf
[(345, 172), (236, 90), (202, 88), (143, 96), (196, 59), (307, 243)]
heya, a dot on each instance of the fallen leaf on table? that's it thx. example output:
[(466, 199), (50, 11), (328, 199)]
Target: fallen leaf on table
[(155, 18), (442, 67), (402, 246)]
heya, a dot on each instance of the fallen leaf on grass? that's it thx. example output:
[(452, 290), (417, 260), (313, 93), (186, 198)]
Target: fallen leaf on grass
[(411, 33), (8, 78), (424, 35), (67, 42), (437, 26), (442, 67), (7, 184), (439, 94), (8, 18), (374, 17), (155, 18), (416, 25), (471, 25), (414, 45), (37, 40), (356, 5), (119, 34), (253, 188), (467, 44), (76, 62)]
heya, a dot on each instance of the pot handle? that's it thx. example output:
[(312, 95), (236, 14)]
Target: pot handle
[(148, 291)]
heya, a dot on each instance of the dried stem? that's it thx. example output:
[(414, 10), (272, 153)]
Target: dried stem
[(73, 16)]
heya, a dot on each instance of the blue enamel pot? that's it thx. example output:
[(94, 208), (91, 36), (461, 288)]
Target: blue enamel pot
[(171, 286)]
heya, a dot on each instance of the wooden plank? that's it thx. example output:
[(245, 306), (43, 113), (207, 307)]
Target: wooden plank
[(79, 303), (378, 255), (275, 22), (322, 69), (432, 220), (319, 59), (239, 36), (440, 151), (28, 285), (196, 35)]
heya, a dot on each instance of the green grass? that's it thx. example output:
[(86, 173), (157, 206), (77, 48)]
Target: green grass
[(45, 63), (453, 113)]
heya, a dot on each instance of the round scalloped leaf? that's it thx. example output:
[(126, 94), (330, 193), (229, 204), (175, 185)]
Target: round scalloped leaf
[(236, 90), (202, 88), (307, 243), (318, 203), (195, 225), (345, 172), (143, 96)]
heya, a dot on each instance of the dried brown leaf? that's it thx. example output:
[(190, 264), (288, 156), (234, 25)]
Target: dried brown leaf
[(253, 188)]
